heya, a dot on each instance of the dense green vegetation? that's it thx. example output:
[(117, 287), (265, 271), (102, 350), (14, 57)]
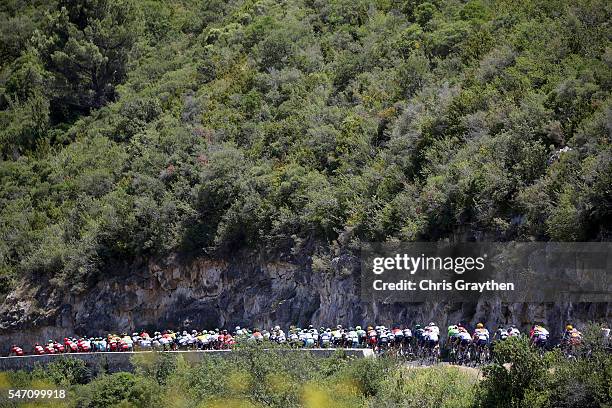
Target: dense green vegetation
[(134, 129), (519, 377)]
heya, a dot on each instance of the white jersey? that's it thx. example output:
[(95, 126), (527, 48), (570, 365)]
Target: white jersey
[(541, 333), (433, 329), (431, 335), (463, 335), (481, 334)]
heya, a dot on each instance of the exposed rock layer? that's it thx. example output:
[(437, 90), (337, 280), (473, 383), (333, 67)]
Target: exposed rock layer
[(204, 293)]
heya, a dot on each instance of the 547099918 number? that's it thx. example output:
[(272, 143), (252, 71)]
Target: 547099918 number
[(36, 394)]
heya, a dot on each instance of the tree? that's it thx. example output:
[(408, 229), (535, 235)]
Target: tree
[(87, 50)]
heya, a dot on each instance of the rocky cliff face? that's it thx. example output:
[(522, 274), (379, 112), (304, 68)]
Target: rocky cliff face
[(204, 293)]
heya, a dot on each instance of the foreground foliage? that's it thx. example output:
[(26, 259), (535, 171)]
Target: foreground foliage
[(251, 377), (519, 377)]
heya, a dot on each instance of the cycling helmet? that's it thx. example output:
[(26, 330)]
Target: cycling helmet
[(358, 328), (569, 327), (479, 326), (417, 326), (431, 324)]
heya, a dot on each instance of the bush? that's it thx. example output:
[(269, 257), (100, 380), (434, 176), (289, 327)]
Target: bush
[(429, 387), (119, 388), (519, 377), (65, 372), (516, 369)]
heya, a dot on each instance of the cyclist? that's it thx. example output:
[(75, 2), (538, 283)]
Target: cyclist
[(605, 333), (383, 340), (453, 334), (481, 335), (571, 337), (38, 349), (308, 338), (372, 337), (362, 335), (352, 338), (431, 335), (538, 336), (418, 335), (337, 336), (325, 338), (513, 331), (480, 338), (398, 336), (16, 351), (462, 343), (70, 345), (59, 347), (49, 348), (407, 339)]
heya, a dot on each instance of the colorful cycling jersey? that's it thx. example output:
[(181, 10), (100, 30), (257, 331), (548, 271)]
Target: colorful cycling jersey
[(513, 332), (572, 335), (433, 329), (431, 335), (501, 334), (539, 332), (464, 335), (481, 334)]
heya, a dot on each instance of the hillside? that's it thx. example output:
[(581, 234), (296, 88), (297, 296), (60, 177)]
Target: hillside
[(138, 133)]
